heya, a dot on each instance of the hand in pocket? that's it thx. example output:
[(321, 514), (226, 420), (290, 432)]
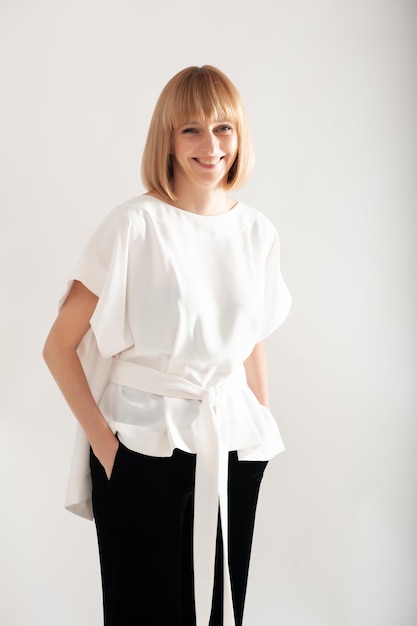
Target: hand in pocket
[(106, 453)]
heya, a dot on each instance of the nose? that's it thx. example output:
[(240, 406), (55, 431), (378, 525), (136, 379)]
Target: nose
[(209, 143)]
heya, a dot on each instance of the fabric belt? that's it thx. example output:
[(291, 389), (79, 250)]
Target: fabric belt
[(211, 471)]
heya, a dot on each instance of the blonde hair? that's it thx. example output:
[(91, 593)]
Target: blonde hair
[(194, 93)]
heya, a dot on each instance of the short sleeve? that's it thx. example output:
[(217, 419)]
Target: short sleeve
[(103, 269), (98, 256), (277, 298)]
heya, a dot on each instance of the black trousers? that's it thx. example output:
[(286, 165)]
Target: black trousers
[(144, 521)]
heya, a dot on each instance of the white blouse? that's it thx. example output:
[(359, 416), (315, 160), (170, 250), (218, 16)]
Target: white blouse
[(183, 299)]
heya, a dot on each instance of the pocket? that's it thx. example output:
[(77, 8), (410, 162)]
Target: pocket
[(116, 463)]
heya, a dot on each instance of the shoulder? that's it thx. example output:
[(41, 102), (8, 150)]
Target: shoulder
[(131, 209), (258, 223), (130, 216), (255, 217)]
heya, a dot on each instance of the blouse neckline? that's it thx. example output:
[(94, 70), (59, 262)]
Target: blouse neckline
[(198, 216)]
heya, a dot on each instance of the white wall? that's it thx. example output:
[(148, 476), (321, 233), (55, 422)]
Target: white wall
[(330, 90)]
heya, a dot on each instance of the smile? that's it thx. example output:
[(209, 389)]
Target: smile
[(208, 161)]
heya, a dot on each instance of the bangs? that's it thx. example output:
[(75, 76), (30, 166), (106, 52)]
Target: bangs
[(202, 95)]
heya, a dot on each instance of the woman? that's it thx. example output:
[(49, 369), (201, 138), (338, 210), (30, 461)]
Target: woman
[(158, 351)]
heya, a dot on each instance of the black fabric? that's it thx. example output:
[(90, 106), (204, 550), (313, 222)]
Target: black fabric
[(144, 521)]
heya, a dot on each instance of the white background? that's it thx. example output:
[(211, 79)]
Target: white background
[(331, 94)]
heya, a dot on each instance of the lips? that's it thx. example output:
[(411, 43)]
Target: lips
[(208, 161)]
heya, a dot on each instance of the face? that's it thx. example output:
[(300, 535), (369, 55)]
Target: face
[(204, 151)]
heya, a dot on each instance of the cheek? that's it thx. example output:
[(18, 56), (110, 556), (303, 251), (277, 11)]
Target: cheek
[(178, 145), (233, 147)]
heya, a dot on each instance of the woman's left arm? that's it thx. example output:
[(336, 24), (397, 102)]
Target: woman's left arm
[(257, 373)]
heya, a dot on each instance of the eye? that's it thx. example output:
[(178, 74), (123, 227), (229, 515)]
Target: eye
[(189, 131), (224, 128)]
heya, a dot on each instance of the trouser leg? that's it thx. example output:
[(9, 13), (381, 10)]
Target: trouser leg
[(143, 515), (243, 489)]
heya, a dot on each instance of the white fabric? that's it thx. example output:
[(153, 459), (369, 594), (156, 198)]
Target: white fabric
[(187, 296)]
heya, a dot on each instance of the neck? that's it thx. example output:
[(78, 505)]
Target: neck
[(203, 201)]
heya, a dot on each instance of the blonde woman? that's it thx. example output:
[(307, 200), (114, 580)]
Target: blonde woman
[(158, 351)]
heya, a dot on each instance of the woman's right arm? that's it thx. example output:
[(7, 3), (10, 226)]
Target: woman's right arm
[(60, 354)]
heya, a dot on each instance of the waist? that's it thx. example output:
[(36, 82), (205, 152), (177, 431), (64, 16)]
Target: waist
[(157, 382)]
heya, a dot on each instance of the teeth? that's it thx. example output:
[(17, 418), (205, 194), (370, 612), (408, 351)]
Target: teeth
[(206, 162)]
